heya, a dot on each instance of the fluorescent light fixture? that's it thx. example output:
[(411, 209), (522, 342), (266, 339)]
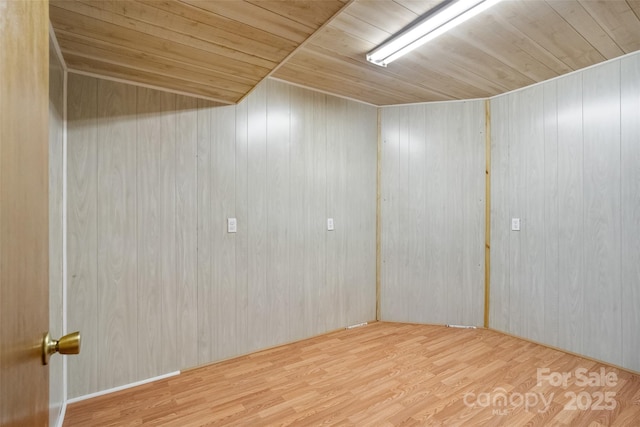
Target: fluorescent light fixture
[(427, 28)]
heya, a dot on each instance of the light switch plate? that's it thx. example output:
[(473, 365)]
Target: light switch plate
[(330, 224), (515, 224), (232, 225)]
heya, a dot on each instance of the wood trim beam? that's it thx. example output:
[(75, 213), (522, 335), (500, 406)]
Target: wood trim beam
[(487, 215), (378, 215)]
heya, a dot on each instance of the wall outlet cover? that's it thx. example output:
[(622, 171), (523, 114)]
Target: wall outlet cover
[(232, 225)]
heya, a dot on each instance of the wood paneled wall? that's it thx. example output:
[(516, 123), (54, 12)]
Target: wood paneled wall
[(156, 283), (566, 160), (56, 250), (433, 213)]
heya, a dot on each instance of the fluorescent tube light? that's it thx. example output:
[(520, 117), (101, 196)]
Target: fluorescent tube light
[(427, 28)]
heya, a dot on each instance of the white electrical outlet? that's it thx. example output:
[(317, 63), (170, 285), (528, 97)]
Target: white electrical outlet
[(232, 225), (515, 224), (330, 224)]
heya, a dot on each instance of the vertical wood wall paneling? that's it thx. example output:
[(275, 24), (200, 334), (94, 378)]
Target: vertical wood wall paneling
[(117, 293), (602, 309), (390, 306), (474, 167), (56, 171), (308, 212), (337, 249), (166, 146), (241, 239), (404, 226), (551, 219), (630, 204), (433, 310), (360, 220), (500, 219), (315, 230), (206, 313), (417, 216), (156, 223), (453, 244), (584, 257), (433, 169), (571, 277), (516, 210), (164, 172), (82, 229), (533, 255), (257, 219), (302, 122), (278, 131), (186, 152), (471, 166), (223, 206)]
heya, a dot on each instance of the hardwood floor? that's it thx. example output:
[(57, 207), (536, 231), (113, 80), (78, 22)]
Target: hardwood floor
[(383, 374)]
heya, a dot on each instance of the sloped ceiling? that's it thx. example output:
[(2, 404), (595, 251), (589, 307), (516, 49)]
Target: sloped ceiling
[(221, 49)]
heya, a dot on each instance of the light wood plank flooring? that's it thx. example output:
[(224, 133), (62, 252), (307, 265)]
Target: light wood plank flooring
[(383, 374)]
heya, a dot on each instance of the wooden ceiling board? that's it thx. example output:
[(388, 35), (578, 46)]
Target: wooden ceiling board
[(150, 20), (415, 69), (514, 44), (256, 17), (492, 73), (254, 43), (347, 38), (635, 6), (444, 85), (120, 72), (85, 45), (356, 27), (310, 13), (347, 35), (411, 74), (153, 64), (148, 37), (580, 19), (521, 41), (502, 44), (479, 86), (354, 74), (334, 83), (619, 20), (389, 16), (244, 38), (419, 7), (551, 32), (221, 49)]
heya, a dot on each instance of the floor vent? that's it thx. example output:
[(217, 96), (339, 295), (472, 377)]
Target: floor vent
[(461, 326), (357, 325)]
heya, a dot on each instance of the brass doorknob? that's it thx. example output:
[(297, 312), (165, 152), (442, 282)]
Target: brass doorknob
[(68, 344)]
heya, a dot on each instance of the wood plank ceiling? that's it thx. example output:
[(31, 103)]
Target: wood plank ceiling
[(216, 49), (221, 49)]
